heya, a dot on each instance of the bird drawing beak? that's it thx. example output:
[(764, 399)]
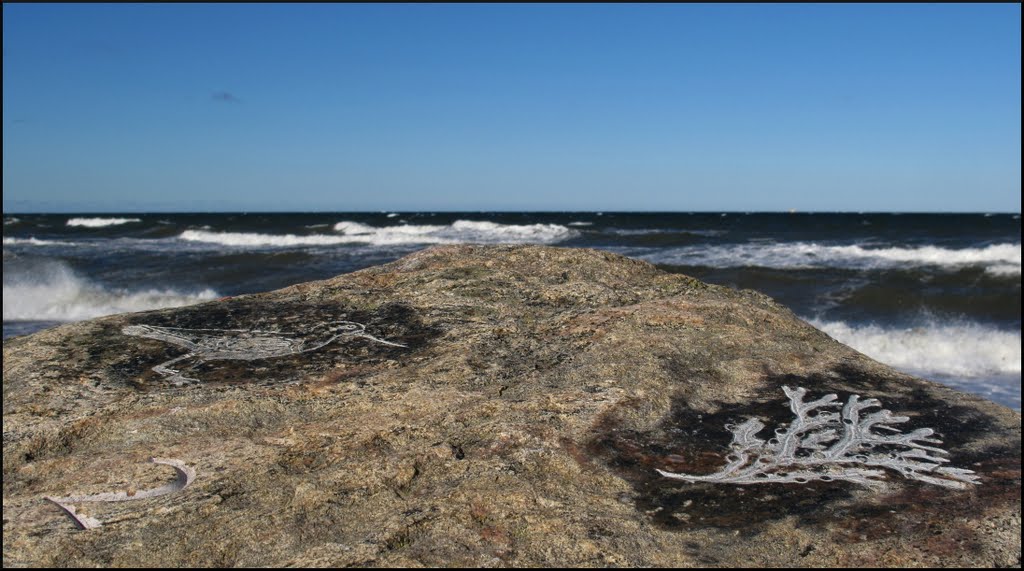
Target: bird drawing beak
[(378, 340)]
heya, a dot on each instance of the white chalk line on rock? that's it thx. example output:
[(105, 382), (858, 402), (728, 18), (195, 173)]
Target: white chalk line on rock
[(821, 444), (185, 475), (242, 344)]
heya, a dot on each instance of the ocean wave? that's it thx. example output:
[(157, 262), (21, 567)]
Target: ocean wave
[(470, 231), (348, 232), (1000, 259), (35, 242), (943, 349), (100, 222), (638, 231), (255, 240), (655, 231), (458, 232), (52, 291), (1003, 270)]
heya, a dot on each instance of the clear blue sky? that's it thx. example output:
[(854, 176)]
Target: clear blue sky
[(511, 107)]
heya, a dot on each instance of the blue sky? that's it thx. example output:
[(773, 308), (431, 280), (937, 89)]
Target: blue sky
[(206, 107)]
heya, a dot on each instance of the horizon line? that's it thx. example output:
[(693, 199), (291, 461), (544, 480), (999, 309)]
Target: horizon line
[(477, 211)]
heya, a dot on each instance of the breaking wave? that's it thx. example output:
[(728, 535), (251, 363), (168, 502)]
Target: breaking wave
[(254, 240), (952, 349), (52, 291), (100, 222), (655, 231), (998, 259), (348, 232), (35, 242), (458, 232)]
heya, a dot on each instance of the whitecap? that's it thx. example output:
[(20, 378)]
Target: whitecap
[(100, 222), (796, 255), (54, 292), (35, 242), (951, 349), (655, 231), (251, 239), (491, 232), (349, 232)]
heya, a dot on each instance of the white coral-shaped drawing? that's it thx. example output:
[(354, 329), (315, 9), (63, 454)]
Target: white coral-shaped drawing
[(821, 444)]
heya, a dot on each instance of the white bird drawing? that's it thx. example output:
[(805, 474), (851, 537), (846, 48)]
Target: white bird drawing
[(243, 344)]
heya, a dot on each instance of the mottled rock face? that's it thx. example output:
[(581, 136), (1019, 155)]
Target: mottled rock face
[(498, 405)]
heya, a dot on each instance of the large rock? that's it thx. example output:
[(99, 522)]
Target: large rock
[(492, 406)]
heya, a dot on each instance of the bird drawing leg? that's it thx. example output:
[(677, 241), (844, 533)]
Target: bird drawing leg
[(174, 375)]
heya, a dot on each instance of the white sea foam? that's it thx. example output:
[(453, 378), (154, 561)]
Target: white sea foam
[(638, 231), (54, 292), (35, 242), (349, 228), (944, 349), (654, 231), (1004, 270), (100, 222), (1000, 259), (470, 231), (251, 239), (348, 232)]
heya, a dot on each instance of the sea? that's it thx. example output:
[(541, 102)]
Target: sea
[(934, 295)]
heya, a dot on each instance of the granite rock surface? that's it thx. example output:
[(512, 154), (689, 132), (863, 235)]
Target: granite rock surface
[(492, 406)]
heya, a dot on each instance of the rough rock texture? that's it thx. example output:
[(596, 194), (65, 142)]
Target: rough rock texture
[(522, 423)]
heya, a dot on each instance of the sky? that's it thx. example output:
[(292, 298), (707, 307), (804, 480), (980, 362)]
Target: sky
[(452, 107)]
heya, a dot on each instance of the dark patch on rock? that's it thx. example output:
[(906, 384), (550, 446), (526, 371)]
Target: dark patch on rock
[(919, 509), (394, 322), (696, 443), (843, 378)]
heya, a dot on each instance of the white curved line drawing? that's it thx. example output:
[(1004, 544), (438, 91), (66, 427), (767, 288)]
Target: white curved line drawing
[(184, 476), (241, 344), (824, 445)]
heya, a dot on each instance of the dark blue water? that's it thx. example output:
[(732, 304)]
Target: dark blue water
[(937, 295)]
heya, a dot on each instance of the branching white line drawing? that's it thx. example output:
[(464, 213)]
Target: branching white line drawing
[(824, 445), (242, 344), (185, 476)]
